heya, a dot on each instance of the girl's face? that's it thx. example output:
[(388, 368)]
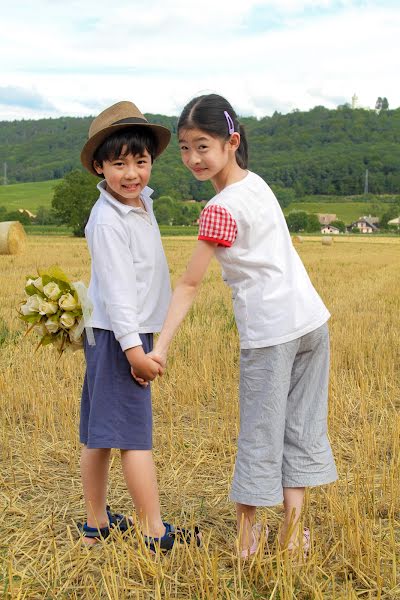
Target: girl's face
[(207, 157)]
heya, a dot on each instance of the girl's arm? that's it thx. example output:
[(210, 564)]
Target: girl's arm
[(183, 296)]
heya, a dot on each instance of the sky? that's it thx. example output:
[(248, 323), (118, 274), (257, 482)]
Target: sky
[(75, 58)]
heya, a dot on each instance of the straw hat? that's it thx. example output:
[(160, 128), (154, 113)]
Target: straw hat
[(119, 116)]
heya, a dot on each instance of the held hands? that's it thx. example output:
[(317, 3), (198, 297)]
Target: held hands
[(145, 367)]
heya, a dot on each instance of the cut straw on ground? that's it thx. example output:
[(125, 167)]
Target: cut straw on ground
[(355, 523)]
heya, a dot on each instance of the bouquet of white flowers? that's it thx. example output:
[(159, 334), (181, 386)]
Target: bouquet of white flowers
[(56, 309)]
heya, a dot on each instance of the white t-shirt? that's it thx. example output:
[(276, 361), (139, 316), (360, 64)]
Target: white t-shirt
[(273, 298), (129, 283)]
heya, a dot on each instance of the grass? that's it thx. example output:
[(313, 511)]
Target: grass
[(355, 523), (345, 211), (27, 195), (167, 230), (56, 230), (64, 230)]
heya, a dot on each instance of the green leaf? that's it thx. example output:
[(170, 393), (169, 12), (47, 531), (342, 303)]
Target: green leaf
[(31, 318), (54, 272), (64, 287), (31, 290), (47, 339)]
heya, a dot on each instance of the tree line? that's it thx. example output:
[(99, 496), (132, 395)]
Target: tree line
[(76, 193), (320, 151)]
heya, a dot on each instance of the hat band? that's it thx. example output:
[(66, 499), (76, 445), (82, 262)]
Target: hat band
[(130, 120)]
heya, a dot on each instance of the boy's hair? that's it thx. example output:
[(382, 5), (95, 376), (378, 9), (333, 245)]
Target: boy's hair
[(208, 114), (133, 140)]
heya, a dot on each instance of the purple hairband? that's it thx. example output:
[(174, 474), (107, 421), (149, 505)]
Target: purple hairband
[(231, 126)]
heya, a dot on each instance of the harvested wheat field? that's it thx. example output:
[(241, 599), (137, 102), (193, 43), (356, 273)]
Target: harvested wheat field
[(355, 523)]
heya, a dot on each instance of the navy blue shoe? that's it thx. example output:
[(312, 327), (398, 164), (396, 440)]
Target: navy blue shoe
[(172, 534), (115, 520)]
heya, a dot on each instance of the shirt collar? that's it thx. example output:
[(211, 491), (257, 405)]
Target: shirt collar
[(124, 208)]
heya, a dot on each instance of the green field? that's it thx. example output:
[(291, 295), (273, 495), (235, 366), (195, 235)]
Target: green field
[(33, 195), (167, 230), (64, 230), (27, 195), (345, 211)]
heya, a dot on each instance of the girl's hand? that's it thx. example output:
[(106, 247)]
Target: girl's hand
[(159, 356)]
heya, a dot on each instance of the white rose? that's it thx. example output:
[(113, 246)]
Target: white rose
[(33, 303), (52, 290), (67, 320), (29, 282), (74, 336), (40, 329), (47, 308), (38, 283), (26, 310), (68, 302), (52, 324)]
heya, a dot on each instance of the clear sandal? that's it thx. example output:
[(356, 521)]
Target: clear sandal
[(256, 531)]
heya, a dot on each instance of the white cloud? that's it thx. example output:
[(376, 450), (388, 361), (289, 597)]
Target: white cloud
[(264, 56)]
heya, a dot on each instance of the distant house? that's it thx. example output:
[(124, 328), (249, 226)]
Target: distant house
[(25, 211), (371, 219), (330, 229), (395, 222), (365, 224), (326, 219)]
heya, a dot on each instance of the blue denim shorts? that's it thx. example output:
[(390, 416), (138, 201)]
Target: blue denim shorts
[(115, 410)]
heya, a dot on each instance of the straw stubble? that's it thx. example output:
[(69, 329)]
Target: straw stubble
[(354, 522)]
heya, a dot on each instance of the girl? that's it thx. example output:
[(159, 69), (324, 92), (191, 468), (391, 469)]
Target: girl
[(282, 322)]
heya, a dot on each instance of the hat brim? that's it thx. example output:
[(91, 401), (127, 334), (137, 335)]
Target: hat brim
[(162, 134)]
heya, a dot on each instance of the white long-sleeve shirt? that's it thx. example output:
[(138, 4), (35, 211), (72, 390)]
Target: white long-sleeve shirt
[(129, 285)]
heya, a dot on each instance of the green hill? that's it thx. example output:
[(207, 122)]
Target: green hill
[(344, 211), (27, 195), (320, 151)]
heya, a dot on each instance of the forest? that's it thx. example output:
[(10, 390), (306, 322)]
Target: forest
[(320, 151)]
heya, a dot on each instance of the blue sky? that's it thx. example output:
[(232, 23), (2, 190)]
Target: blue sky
[(75, 58)]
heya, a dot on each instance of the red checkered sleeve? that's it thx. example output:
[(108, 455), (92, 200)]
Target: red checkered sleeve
[(217, 225)]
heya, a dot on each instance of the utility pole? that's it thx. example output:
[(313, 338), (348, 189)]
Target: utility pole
[(366, 182), (5, 174)]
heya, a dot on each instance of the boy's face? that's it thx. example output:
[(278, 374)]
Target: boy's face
[(126, 176)]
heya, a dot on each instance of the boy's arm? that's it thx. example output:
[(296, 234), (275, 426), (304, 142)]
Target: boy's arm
[(115, 271), (116, 275)]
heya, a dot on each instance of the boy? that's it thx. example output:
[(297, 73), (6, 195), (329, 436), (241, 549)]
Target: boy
[(130, 291)]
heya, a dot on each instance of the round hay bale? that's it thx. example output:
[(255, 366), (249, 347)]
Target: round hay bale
[(298, 239), (12, 237), (327, 241)]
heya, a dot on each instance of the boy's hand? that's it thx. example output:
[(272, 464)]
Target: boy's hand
[(155, 358), (143, 367), (139, 380)]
